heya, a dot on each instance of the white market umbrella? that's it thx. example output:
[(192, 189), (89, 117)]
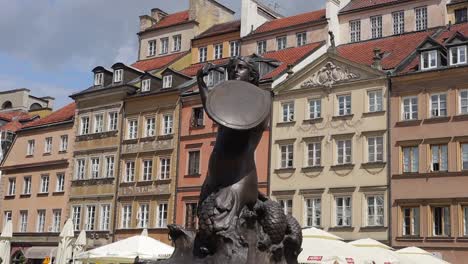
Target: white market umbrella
[(126, 250), (65, 247), (5, 242), (79, 246), (320, 247), (420, 256), (379, 252)]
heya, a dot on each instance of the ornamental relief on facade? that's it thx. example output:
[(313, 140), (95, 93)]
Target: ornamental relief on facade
[(156, 145), (329, 75)]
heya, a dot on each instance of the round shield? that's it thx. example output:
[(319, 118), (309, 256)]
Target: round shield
[(238, 104)]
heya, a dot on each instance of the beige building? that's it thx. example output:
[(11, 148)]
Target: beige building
[(36, 184), (457, 11), (329, 145)]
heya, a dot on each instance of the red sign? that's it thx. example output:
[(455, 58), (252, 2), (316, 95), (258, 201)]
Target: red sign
[(349, 260), (314, 258)]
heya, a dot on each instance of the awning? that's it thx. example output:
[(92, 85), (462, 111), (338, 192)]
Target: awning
[(40, 252)]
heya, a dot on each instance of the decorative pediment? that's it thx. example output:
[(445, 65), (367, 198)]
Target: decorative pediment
[(329, 75)]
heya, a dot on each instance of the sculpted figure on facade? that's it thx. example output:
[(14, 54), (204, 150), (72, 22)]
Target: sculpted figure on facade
[(329, 75)]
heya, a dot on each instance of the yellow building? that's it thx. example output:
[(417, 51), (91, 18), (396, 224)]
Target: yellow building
[(457, 11)]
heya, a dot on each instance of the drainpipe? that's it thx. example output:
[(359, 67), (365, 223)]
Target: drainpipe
[(270, 142), (389, 160), (179, 103), (117, 176)]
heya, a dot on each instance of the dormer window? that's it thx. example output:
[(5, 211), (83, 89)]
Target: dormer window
[(167, 81), (457, 55), (429, 60), (98, 78), (145, 85), (118, 75)]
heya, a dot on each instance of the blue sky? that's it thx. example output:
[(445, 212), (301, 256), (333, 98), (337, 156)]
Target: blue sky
[(50, 47)]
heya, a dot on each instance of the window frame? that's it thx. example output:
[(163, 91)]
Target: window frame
[(443, 231), (23, 221), (376, 207), (132, 128), (414, 221), (202, 54), (439, 103), (458, 48), (261, 47), (347, 104), (110, 167), (31, 147), (95, 168), (193, 170), (147, 170), (281, 42), (151, 48), (41, 219), (375, 95), (316, 153), (164, 168), (429, 53), (48, 145), (56, 220), (301, 38), (413, 163), (344, 215), (398, 19), (234, 48), (60, 183), (118, 75), (145, 85), (27, 185), (76, 210), (376, 26), (44, 184), (113, 121), (129, 169), (460, 102), (193, 215), (168, 125), (421, 19), (317, 107), (80, 174), (218, 51), (313, 210), (63, 143), (167, 81), (84, 125), (375, 157), (289, 115), (126, 216), (161, 220), (344, 155), (150, 126), (177, 42), (411, 113), (143, 215), (11, 186), (287, 204), (98, 79), (104, 217), (355, 30), (440, 158), (164, 45), (98, 123), (286, 155)]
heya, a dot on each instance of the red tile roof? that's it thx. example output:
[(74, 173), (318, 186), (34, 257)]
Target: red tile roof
[(63, 114), (12, 126), (221, 29), (291, 21), (356, 5), (15, 115), (289, 56), (193, 69), (395, 49), (171, 20), (158, 63)]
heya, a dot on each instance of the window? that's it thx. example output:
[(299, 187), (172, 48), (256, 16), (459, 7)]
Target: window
[(118, 74), (194, 162), (197, 117), (465, 221), (80, 169), (410, 108), (147, 170), (301, 38), (90, 217), (126, 216), (150, 128), (344, 105), (23, 221), (31, 145), (48, 145), (421, 18), (458, 55), (314, 154), (464, 102), (375, 101), (113, 118), (313, 212), (288, 111), (98, 123), (57, 218), (40, 224), (464, 156), (60, 185), (261, 46), (191, 216), (44, 184), (7, 216), (177, 42), (98, 78), (129, 171), (202, 53), (410, 221), (461, 15), (355, 30), (151, 47), (281, 42), (143, 216), (167, 124), (286, 205), (63, 143), (11, 186), (218, 51), (164, 45), (287, 156), (84, 125), (398, 22), (344, 151), (110, 166), (104, 217), (27, 185), (132, 129), (375, 210), (95, 168), (165, 168), (439, 157), (315, 108), (438, 105), (343, 211), (76, 217), (145, 85), (234, 48), (428, 60), (410, 159), (161, 221), (376, 26), (375, 149), (167, 81), (441, 221)]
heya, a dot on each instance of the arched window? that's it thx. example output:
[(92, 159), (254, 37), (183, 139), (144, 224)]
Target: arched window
[(7, 105), (35, 106)]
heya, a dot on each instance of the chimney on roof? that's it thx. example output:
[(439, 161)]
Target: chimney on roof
[(157, 14), (377, 64), (146, 22)]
